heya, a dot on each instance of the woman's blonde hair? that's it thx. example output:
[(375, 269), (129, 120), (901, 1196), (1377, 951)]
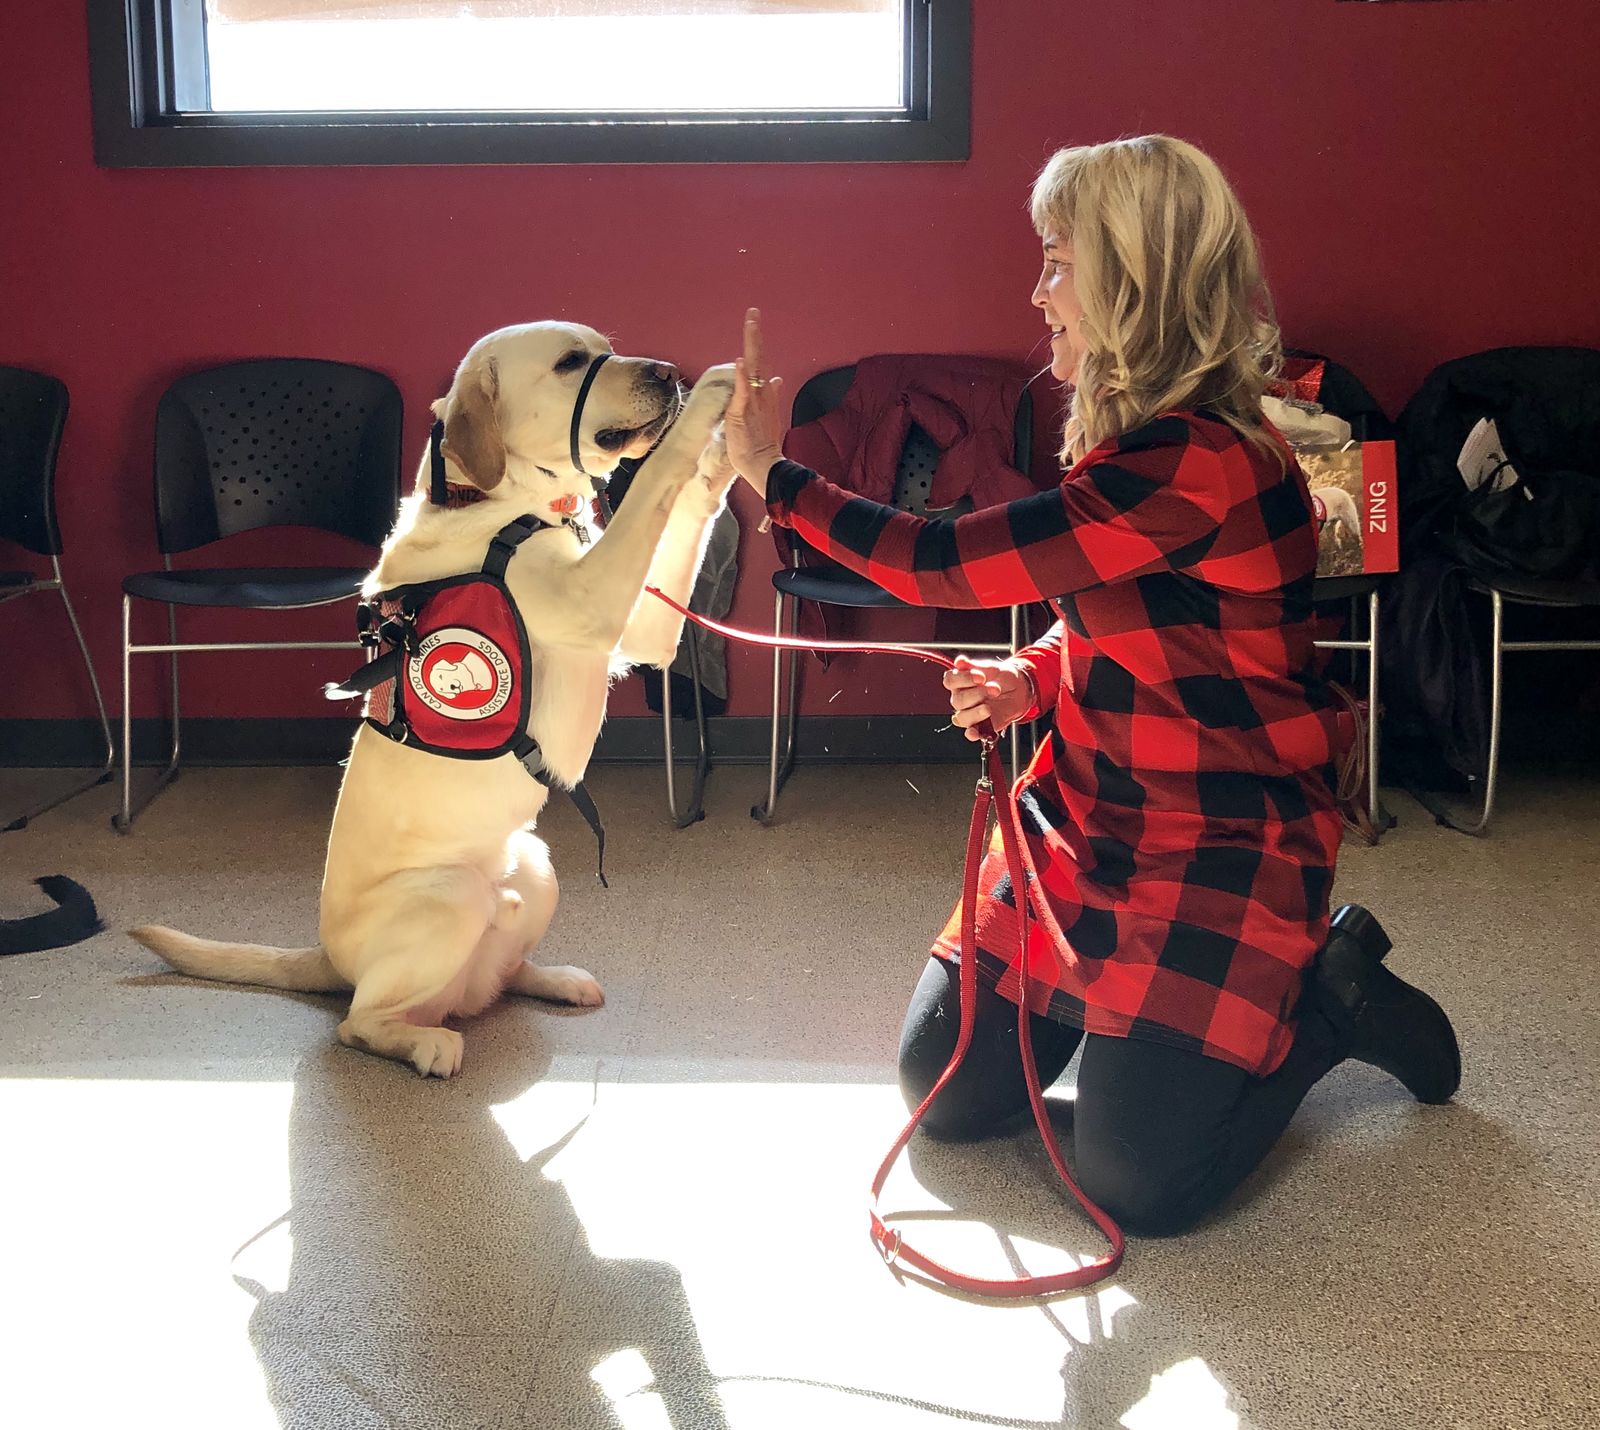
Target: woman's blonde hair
[(1176, 312)]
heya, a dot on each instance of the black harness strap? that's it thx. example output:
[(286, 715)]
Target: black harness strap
[(582, 800), (438, 489)]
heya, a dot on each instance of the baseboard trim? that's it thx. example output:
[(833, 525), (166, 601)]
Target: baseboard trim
[(629, 740)]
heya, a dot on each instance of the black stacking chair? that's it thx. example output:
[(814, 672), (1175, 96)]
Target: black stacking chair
[(33, 411), (830, 584), (277, 442), (1344, 395)]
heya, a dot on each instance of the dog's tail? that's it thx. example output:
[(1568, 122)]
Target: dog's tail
[(304, 970)]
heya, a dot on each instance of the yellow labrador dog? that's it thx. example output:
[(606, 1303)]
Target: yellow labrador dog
[(436, 888)]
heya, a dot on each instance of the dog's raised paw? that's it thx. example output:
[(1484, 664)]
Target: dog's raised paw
[(715, 386)]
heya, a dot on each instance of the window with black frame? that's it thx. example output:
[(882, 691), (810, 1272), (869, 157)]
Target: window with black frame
[(187, 82)]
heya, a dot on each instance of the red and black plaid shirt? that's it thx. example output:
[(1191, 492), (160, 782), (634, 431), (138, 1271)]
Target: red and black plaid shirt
[(1181, 814)]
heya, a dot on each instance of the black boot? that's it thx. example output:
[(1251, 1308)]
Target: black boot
[(1381, 1019)]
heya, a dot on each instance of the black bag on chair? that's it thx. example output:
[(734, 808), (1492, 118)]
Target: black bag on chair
[(1545, 403), (1546, 526)]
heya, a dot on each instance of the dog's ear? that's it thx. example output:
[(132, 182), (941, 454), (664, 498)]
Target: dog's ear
[(472, 426)]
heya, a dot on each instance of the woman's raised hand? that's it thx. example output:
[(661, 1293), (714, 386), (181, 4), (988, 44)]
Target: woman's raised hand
[(754, 422)]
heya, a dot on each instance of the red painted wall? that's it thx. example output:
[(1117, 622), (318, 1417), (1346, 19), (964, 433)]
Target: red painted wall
[(1422, 176)]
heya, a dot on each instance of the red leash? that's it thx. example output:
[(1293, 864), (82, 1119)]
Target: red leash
[(890, 1242)]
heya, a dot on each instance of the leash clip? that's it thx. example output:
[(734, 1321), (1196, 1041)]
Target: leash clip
[(889, 1245), (985, 749)]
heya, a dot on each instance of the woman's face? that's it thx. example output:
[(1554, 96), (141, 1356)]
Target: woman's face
[(1055, 296)]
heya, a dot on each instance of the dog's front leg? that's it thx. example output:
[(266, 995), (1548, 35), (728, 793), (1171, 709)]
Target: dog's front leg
[(654, 628), (587, 602)]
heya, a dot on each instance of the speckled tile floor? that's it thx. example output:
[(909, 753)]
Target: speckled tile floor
[(651, 1216)]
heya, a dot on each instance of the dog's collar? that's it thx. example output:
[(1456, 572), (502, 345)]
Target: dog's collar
[(441, 492)]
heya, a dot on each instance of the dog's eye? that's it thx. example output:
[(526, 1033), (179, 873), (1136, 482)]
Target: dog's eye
[(572, 362)]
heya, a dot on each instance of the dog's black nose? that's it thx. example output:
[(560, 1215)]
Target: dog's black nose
[(664, 371)]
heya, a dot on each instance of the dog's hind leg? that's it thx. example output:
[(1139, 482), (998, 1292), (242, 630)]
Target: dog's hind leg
[(532, 877), (426, 938)]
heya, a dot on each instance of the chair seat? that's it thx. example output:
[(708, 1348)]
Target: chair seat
[(833, 588), (1531, 591), (1343, 588), (13, 580), (248, 587)]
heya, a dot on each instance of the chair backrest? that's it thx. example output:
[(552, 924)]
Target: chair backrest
[(919, 458), (277, 442), (33, 410)]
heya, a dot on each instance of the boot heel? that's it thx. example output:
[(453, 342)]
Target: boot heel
[(1362, 925)]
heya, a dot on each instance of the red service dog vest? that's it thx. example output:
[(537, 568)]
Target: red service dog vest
[(459, 682), (452, 678)]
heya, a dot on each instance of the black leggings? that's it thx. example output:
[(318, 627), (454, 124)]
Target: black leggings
[(1160, 1135)]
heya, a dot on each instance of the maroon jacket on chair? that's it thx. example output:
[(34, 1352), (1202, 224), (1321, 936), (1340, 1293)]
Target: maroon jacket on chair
[(967, 405)]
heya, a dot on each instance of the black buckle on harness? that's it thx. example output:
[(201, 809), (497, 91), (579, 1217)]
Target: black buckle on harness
[(400, 631), (501, 551), (374, 629)]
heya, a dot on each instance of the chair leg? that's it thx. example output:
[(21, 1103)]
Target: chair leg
[(702, 766), (1374, 804), (666, 742), (123, 821), (1440, 808), (100, 776), (94, 685), (696, 810), (1491, 774), (778, 774)]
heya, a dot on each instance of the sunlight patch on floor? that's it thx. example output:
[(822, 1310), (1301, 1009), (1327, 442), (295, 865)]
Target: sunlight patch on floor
[(1188, 1396), (153, 1214), (125, 1203), (756, 1194)]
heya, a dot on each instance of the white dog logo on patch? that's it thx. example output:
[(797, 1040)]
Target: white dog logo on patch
[(461, 674), (450, 679)]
